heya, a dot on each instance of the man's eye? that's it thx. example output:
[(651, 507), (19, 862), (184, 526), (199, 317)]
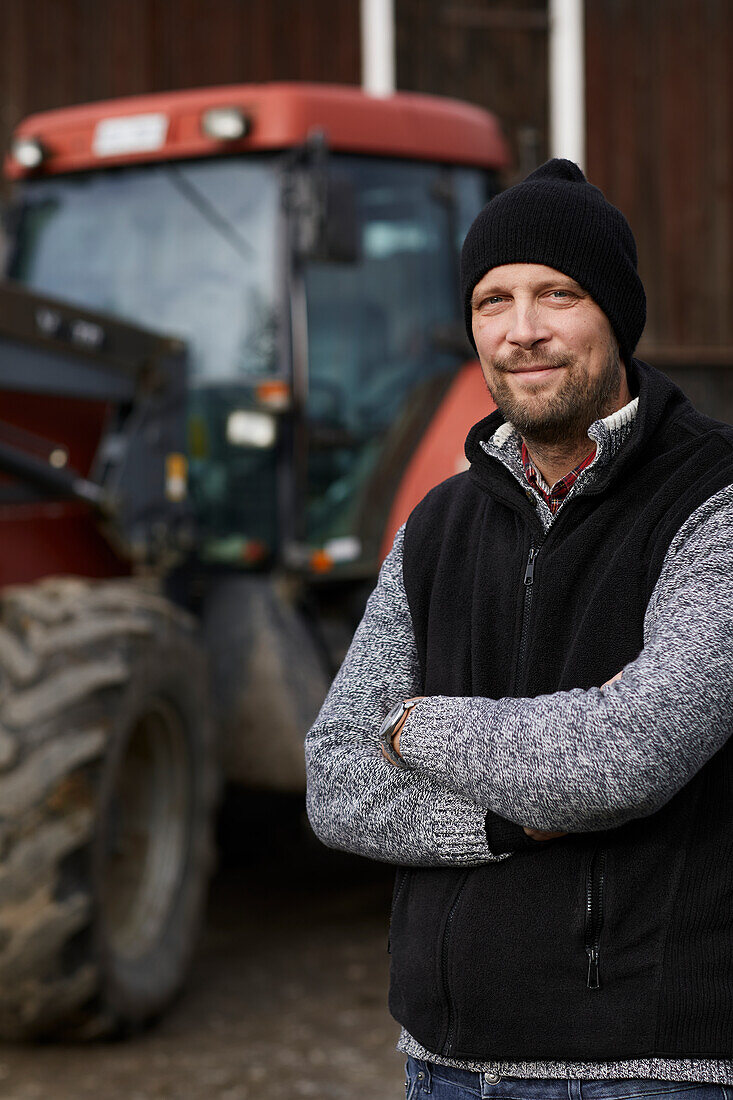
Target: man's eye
[(493, 299), (561, 293)]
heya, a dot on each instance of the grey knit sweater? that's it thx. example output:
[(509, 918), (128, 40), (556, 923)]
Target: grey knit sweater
[(576, 761)]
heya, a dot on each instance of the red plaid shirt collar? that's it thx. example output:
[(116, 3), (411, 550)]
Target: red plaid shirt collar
[(561, 488)]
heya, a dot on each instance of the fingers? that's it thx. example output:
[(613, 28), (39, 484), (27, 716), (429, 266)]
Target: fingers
[(539, 834)]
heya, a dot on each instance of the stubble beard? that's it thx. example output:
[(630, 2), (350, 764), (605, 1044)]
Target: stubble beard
[(563, 416)]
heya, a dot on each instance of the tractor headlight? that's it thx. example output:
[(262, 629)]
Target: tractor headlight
[(28, 152), (225, 123)]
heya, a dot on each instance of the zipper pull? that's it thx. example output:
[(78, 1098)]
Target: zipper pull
[(529, 571), (594, 981)]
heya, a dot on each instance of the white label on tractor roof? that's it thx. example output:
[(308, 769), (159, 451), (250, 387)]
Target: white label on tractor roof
[(132, 134)]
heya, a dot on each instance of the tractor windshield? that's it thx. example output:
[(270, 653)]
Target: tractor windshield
[(185, 248)]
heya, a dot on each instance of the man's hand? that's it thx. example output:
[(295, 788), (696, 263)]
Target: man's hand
[(537, 834)]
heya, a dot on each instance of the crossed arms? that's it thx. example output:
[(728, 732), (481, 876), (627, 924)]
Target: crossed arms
[(572, 761)]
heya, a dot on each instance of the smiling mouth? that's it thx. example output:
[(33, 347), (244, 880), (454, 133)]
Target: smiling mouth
[(534, 374), (534, 369)]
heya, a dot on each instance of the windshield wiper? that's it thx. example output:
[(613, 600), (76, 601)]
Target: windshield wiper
[(210, 214)]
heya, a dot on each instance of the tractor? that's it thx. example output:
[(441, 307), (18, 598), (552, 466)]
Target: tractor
[(231, 360)]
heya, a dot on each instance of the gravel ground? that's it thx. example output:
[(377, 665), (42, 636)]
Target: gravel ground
[(287, 997)]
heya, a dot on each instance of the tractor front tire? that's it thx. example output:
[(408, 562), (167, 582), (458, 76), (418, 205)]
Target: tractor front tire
[(107, 793)]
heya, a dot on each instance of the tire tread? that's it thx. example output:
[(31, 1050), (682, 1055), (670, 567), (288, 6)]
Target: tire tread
[(64, 659)]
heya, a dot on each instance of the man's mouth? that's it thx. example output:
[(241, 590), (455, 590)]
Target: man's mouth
[(534, 367), (535, 372), (527, 371)]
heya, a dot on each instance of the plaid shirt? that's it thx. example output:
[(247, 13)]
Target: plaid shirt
[(555, 495)]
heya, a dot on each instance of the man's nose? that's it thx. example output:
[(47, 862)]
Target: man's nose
[(526, 326)]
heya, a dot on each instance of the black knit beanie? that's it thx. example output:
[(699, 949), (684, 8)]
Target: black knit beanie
[(555, 217)]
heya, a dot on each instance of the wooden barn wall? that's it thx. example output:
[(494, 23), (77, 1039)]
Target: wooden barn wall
[(490, 52), (659, 101), (54, 53), (660, 145)]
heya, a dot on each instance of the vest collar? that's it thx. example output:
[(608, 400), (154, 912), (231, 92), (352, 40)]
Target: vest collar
[(658, 399)]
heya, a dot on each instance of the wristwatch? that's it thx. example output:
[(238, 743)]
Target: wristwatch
[(389, 727)]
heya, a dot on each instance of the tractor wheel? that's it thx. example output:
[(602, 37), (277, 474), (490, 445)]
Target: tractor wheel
[(107, 791)]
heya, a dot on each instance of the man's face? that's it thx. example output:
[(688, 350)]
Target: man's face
[(547, 351)]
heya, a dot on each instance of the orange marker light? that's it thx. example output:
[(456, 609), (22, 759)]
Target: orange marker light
[(176, 476), (274, 393), (321, 562)]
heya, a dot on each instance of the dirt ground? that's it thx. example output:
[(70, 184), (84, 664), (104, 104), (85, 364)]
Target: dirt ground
[(287, 997)]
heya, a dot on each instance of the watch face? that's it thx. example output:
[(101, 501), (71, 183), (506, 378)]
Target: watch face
[(389, 722)]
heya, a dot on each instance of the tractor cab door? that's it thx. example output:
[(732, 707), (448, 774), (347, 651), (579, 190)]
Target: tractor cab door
[(385, 339)]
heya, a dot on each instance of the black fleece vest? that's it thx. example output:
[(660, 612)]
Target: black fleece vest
[(595, 946)]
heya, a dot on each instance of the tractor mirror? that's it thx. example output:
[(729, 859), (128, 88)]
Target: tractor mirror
[(323, 201), (340, 232)]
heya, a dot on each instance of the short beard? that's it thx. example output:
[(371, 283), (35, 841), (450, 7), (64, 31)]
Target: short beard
[(565, 416)]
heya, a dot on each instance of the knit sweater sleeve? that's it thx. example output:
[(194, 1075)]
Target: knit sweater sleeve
[(356, 799), (587, 760)]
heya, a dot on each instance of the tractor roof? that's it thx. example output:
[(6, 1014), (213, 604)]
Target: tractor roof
[(168, 125)]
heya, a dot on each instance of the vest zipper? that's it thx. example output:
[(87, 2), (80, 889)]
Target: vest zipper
[(526, 609), (448, 1046), (594, 892)]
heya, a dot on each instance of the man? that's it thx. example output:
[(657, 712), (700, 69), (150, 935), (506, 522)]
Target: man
[(555, 626)]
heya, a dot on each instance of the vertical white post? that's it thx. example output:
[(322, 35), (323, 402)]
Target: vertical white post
[(567, 80), (377, 47)]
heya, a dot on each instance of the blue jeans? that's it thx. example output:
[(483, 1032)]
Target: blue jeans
[(445, 1083)]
